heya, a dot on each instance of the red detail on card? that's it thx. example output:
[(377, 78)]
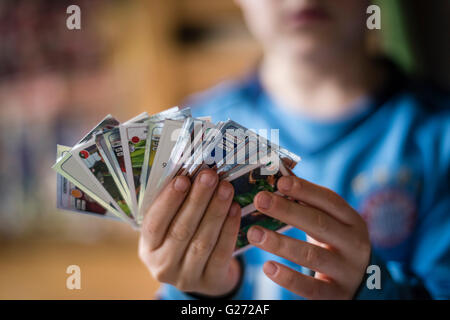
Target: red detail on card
[(84, 154)]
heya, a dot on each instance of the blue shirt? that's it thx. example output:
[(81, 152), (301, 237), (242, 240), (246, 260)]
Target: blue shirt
[(389, 159)]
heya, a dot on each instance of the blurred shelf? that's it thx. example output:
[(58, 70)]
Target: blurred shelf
[(37, 270), (207, 11)]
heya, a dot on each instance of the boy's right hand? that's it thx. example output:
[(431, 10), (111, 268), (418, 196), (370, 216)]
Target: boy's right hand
[(189, 235)]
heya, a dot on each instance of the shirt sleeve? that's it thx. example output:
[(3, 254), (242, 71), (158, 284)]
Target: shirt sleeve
[(427, 271), (430, 259)]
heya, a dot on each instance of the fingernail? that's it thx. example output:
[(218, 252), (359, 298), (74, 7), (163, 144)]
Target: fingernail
[(181, 185), (208, 179), (285, 183), (270, 268), (234, 210), (255, 235), (264, 200), (224, 192)]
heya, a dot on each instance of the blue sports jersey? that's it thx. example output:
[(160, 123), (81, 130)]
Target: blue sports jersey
[(389, 159)]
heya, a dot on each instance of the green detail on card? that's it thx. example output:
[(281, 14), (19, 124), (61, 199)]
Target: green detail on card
[(246, 198)]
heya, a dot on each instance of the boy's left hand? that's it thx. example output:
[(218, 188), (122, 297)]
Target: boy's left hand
[(338, 248)]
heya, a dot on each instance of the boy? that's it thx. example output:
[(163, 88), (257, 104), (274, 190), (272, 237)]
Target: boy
[(371, 187)]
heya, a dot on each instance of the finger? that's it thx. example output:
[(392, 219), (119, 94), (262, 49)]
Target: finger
[(319, 197), (314, 222), (223, 251), (185, 223), (297, 251), (162, 211), (305, 286), (205, 238)]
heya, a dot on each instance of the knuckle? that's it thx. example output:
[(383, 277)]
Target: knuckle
[(196, 199), (333, 195), (152, 227), (144, 251), (336, 200), (289, 279), (312, 292), (143, 257), (143, 254), (322, 224), (279, 204), (291, 207), (273, 242), (180, 232), (220, 212), (311, 256), (228, 232), (201, 247), (185, 285), (162, 274), (219, 258)]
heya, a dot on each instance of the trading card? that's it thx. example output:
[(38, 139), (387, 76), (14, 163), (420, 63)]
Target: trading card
[(157, 183), (71, 198), (139, 118), (144, 116), (201, 135), (140, 143), (248, 146), (256, 218), (110, 159), (68, 167), (200, 130), (88, 155), (154, 136), (183, 114), (155, 125), (118, 170), (192, 156), (265, 147), (221, 148), (107, 123), (133, 141), (191, 131), (189, 152), (112, 144), (247, 182), (168, 138), (245, 154), (177, 154)]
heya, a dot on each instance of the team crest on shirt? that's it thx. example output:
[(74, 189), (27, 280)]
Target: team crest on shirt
[(387, 204), (390, 215)]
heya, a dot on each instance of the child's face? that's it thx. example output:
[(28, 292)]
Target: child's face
[(306, 27)]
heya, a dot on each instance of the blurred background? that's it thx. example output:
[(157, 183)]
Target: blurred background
[(128, 57)]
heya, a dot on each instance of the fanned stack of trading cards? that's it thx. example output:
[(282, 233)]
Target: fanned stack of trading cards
[(118, 169)]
